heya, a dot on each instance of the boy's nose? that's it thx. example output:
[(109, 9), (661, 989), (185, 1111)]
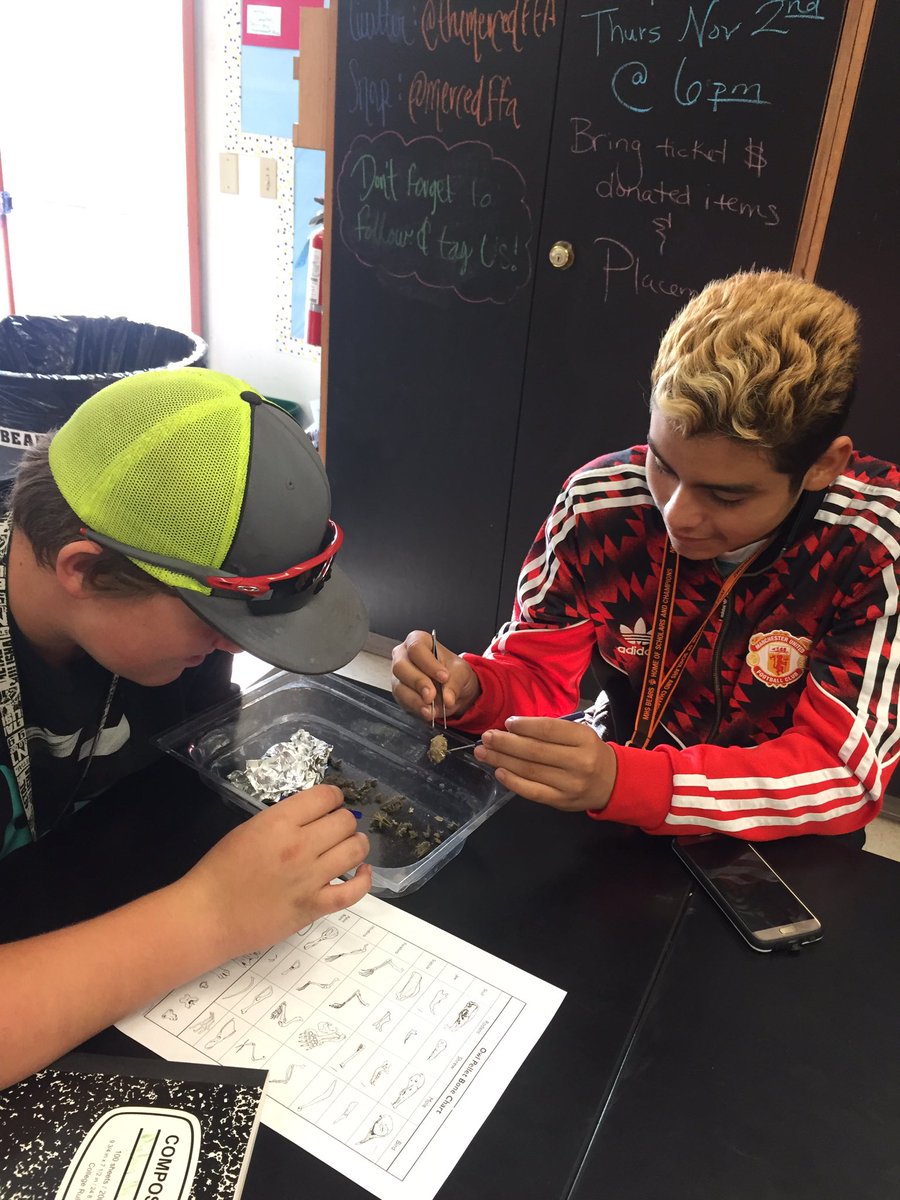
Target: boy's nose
[(682, 513)]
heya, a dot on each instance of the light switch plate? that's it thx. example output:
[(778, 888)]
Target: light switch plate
[(268, 178), (228, 173)]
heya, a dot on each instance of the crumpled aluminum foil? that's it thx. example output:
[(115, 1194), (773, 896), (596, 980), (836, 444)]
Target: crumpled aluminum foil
[(285, 768)]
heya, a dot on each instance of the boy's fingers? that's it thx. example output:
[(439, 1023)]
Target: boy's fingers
[(408, 675), (418, 648), (524, 768), (548, 729), (409, 697), (516, 747), (334, 829), (422, 655), (307, 807), (336, 896), (343, 857)]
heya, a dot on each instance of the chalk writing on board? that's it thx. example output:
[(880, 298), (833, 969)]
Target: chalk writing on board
[(371, 96), (641, 86), (626, 173), (703, 25), (444, 22), (487, 102), (621, 270), (377, 20), (451, 217), (723, 181)]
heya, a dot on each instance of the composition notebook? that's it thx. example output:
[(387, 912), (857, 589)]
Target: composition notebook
[(92, 1127)]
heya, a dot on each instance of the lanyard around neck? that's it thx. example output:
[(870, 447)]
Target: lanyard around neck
[(10, 693), (11, 709), (659, 683)]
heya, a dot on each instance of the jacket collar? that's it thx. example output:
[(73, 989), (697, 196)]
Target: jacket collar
[(791, 529)]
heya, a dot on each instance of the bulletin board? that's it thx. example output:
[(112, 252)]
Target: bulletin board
[(261, 42)]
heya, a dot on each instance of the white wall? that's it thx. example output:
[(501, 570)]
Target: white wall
[(241, 242), (92, 136)]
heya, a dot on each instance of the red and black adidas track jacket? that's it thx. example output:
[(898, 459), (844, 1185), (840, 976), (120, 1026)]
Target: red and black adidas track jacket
[(784, 722)]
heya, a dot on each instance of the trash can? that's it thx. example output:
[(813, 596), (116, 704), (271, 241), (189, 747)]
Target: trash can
[(49, 365)]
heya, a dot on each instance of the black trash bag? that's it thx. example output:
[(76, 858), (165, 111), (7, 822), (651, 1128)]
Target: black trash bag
[(49, 365)]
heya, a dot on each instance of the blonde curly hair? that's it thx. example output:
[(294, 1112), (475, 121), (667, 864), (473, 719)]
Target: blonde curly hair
[(762, 357)]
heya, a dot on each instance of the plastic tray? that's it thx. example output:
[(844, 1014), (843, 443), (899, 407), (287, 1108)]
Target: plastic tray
[(372, 738)]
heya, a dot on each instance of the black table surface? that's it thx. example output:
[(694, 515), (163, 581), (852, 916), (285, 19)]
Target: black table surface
[(680, 1063), (588, 907), (767, 1076)]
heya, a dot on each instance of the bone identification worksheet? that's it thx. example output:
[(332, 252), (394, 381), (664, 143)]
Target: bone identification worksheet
[(374, 1027)]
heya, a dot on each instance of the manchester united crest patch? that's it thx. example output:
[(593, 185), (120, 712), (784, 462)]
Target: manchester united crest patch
[(777, 658)]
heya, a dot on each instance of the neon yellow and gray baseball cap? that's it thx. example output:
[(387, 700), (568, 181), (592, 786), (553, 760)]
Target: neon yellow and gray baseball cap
[(220, 494)]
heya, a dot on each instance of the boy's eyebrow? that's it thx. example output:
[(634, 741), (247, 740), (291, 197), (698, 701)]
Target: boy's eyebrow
[(738, 489)]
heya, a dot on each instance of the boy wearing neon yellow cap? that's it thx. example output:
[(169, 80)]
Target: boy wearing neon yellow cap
[(175, 518)]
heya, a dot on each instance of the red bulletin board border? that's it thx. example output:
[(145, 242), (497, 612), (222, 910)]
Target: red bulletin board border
[(289, 38)]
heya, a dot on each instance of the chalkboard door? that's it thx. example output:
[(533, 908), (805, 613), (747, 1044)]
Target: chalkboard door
[(861, 253), (669, 143), (442, 129), (681, 150)]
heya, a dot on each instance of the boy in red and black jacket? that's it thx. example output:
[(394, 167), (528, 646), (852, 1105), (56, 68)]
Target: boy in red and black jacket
[(740, 571)]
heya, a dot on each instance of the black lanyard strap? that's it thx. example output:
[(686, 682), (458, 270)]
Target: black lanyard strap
[(12, 712)]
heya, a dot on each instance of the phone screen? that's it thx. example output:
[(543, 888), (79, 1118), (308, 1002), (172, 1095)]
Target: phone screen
[(746, 882)]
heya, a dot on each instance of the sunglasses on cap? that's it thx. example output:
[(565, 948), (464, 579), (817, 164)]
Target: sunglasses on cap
[(241, 587)]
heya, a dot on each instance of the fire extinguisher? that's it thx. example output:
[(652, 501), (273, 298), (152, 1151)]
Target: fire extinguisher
[(314, 279)]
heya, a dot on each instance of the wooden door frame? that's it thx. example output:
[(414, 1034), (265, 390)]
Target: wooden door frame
[(823, 176), (314, 130)]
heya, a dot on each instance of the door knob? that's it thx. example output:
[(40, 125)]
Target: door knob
[(562, 255)]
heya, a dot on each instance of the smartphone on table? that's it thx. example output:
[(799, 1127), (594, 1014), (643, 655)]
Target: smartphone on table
[(767, 914)]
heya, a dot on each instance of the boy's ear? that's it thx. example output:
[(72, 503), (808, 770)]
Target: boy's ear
[(72, 563), (828, 465)]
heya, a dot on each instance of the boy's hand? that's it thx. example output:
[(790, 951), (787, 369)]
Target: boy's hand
[(269, 877), (417, 674), (559, 763)]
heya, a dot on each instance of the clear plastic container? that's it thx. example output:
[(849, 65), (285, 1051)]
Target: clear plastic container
[(373, 739)]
